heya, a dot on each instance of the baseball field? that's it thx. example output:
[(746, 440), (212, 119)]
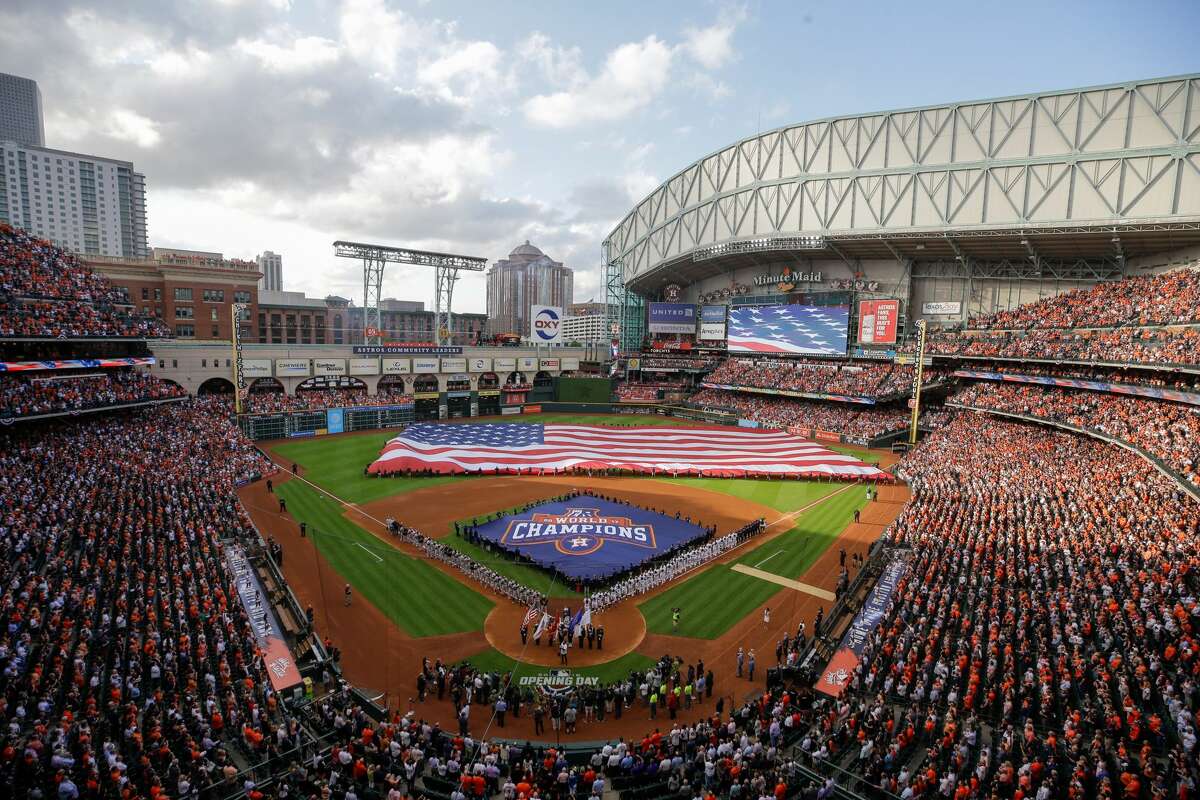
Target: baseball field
[(415, 607)]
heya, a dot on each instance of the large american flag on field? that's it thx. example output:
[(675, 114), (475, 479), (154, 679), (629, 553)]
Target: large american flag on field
[(538, 448), (799, 329)]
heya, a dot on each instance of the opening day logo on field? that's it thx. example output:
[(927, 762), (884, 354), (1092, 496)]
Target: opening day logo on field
[(577, 531)]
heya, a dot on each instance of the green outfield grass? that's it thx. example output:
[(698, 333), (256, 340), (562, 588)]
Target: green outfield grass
[(419, 598), (779, 495), (789, 555), (493, 660)]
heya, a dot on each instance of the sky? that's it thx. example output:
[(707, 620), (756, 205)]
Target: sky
[(469, 127)]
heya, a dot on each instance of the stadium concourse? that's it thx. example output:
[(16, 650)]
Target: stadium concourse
[(1025, 626)]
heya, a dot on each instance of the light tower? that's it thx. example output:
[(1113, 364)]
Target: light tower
[(377, 256)]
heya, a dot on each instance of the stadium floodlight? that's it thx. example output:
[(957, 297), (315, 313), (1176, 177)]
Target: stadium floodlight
[(376, 256)]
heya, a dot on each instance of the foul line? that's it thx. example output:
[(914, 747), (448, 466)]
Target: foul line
[(377, 558), (786, 582), (768, 558)]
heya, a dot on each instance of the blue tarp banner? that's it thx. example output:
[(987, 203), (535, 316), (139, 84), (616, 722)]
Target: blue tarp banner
[(587, 538)]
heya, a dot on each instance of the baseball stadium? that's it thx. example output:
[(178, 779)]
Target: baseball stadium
[(887, 485)]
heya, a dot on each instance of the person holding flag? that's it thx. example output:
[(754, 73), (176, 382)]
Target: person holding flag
[(542, 626)]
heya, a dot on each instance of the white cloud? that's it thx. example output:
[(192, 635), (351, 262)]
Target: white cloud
[(558, 66), (633, 75), (711, 46), (466, 72), (130, 126), (295, 54)]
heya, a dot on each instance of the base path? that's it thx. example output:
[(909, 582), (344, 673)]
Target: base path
[(821, 594)]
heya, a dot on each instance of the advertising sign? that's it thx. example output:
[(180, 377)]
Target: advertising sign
[(946, 308), (877, 321), (420, 365), (545, 324), (335, 420), (672, 317), (329, 366), (570, 363), (276, 655), (405, 349), (256, 368), (454, 365), (479, 365), (505, 364), (712, 323), (548, 363), (527, 363), (291, 367), (364, 366), (846, 658), (396, 366)]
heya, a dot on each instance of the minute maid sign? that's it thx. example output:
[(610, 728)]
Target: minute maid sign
[(578, 531)]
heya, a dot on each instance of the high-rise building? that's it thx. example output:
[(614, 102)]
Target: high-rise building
[(21, 111), (271, 266), (92, 205), (527, 277)]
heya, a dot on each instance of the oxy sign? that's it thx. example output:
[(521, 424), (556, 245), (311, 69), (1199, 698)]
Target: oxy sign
[(545, 326)]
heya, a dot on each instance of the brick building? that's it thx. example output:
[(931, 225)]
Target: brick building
[(191, 291)]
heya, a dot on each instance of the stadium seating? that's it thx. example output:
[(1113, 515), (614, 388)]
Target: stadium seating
[(46, 292), (1116, 322), (1051, 597), (320, 399), (861, 379), (53, 393), (866, 422), (1169, 431), (129, 667)]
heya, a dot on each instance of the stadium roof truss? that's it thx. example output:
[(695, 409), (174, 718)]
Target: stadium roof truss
[(1040, 180)]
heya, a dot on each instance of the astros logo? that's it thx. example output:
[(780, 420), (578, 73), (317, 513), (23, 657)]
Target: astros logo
[(578, 531)]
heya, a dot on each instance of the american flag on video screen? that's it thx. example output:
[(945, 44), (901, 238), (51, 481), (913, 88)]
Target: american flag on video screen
[(788, 329), (509, 447)]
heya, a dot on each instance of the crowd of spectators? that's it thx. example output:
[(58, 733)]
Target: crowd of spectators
[(321, 399), (54, 393), (1112, 322), (860, 422), (628, 392), (1119, 346), (1042, 643), (1164, 299), (128, 668), (859, 379), (732, 751), (688, 363), (1167, 430), (1129, 377), (47, 292)]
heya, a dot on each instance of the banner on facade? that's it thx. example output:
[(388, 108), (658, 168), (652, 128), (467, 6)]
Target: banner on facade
[(877, 320), (712, 323), (545, 324), (837, 674), (671, 317)]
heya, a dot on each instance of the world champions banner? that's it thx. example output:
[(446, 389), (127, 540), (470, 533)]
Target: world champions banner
[(848, 655), (587, 537)]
